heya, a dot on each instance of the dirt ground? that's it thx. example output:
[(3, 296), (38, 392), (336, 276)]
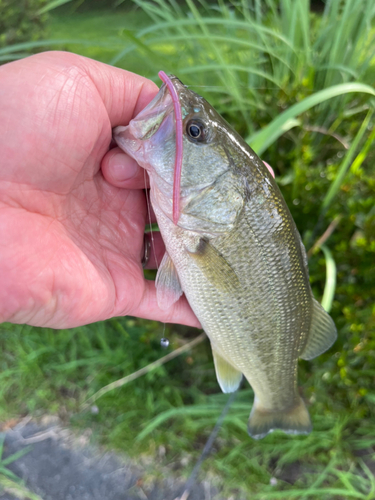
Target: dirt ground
[(63, 466)]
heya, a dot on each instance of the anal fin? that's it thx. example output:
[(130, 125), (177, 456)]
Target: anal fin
[(168, 287), (294, 420), (229, 378), (322, 333)]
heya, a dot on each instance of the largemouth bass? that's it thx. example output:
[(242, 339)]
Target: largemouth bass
[(235, 251)]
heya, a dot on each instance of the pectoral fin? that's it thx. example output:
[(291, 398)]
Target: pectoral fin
[(214, 267), (168, 287), (322, 334), (228, 377)]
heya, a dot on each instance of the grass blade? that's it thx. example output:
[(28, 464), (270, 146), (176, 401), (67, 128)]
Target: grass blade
[(202, 411), (360, 158), (314, 493), (330, 285), (234, 67), (145, 369), (52, 5), (261, 140), (15, 456), (335, 186), (220, 22), (13, 487), (16, 48)]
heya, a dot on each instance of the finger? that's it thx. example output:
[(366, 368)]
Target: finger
[(122, 171), (124, 94), (155, 243), (180, 312)]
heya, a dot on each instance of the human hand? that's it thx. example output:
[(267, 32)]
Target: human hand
[(71, 243)]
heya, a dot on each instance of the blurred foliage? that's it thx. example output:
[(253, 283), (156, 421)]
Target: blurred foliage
[(46, 370), (21, 21), (252, 60)]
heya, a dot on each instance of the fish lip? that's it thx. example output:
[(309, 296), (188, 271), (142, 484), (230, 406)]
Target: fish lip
[(126, 141), (161, 103), (133, 137)]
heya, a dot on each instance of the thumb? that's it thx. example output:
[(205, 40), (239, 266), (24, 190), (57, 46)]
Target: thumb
[(180, 312), (124, 94)]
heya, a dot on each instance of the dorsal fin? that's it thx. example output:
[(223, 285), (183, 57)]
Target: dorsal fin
[(322, 334)]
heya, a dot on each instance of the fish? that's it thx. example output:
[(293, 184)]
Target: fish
[(233, 249)]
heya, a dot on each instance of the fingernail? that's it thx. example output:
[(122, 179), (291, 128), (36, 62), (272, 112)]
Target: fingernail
[(123, 167)]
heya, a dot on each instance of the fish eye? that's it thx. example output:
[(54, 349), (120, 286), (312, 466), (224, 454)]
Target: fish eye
[(196, 130)]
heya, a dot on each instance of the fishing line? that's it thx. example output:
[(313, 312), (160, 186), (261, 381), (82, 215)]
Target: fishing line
[(190, 483), (164, 342), (148, 203)]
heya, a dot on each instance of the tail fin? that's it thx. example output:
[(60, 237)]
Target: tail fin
[(295, 420)]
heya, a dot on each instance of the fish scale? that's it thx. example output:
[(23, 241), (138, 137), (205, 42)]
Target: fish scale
[(235, 252)]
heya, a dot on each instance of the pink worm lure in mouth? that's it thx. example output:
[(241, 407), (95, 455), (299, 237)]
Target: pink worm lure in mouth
[(178, 159)]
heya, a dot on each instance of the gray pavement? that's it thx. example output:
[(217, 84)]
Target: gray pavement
[(62, 466)]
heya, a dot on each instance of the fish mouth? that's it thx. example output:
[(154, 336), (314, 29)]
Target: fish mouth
[(152, 119), (154, 133), (147, 122)]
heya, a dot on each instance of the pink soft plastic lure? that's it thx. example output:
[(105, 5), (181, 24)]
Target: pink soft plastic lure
[(178, 159)]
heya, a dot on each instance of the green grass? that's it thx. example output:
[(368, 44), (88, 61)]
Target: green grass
[(9, 482), (300, 88), (98, 35), (177, 405), (57, 370), (254, 61)]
